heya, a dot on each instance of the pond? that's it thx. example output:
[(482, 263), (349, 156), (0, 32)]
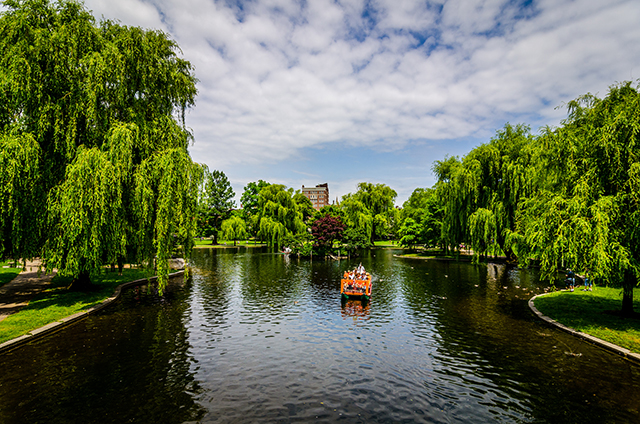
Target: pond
[(259, 337)]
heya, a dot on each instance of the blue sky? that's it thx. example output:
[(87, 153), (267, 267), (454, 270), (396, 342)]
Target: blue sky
[(343, 91)]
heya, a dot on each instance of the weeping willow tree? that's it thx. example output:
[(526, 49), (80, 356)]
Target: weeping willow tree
[(234, 228), (278, 215), (586, 214), (358, 220), (481, 193), (370, 210), (93, 147)]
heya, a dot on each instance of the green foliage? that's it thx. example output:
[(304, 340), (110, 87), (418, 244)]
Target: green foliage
[(214, 203), (481, 193), (249, 204), (421, 219), (304, 205), (410, 233), (95, 162), (300, 244), (21, 198), (278, 215), (234, 229), (357, 217), (249, 198), (569, 197), (378, 200), (587, 213), (332, 210), (354, 239)]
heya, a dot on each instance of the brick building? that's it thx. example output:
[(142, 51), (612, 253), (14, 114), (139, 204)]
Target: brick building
[(319, 195)]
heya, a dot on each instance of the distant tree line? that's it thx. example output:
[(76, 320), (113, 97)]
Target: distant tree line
[(282, 217)]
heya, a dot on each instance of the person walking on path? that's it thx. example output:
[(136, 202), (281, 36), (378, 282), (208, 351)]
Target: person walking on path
[(17, 293), (571, 279), (588, 285)]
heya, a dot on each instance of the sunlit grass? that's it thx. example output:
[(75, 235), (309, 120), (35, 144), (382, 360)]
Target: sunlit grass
[(8, 274), (56, 302), (225, 243), (386, 243), (589, 312)]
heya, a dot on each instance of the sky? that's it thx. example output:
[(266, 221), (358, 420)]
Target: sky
[(346, 91)]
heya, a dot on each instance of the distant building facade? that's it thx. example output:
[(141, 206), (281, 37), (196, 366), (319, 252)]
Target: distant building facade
[(319, 195)]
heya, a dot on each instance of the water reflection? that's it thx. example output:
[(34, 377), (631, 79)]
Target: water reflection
[(261, 337), (114, 368), (357, 309)]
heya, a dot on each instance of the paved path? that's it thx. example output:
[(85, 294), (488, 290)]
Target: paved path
[(18, 292)]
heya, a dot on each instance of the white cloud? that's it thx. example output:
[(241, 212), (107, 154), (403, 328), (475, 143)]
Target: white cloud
[(278, 77)]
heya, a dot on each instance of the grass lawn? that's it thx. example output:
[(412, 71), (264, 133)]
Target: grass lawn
[(8, 274), (386, 243), (588, 312), (56, 302), (432, 253), (225, 243)]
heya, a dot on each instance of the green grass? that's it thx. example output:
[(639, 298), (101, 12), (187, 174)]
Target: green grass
[(56, 302), (588, 312), (386, 243), (225, 243), (7, 274), (429, 253)]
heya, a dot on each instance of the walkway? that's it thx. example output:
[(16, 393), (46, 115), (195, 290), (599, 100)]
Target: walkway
[(17, 293)]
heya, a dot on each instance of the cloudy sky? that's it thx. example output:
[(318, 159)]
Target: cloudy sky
[(343, 91)]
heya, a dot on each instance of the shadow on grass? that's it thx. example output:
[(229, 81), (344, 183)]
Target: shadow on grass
[(596, 313), (57, 302), (7, 275), (58, 294)]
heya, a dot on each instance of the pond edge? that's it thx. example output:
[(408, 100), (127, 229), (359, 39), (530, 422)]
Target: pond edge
[(71, 319), (625, 353)]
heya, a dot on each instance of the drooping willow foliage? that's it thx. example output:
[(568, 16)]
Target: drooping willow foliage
[(481, 192), (569, 197), (278, 215), (93, 148), (587, 212)]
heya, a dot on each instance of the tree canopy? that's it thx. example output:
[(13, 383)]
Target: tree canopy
[(278, 214), (215, 203), (93, 147), (421, 219), (586, 212), (481, 193), (568, 197)]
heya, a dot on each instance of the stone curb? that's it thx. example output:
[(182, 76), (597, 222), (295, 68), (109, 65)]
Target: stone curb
[(625, 353), (66, 321)]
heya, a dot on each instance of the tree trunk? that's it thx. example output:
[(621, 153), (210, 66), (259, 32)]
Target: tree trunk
[(627, 292), (82, 283)]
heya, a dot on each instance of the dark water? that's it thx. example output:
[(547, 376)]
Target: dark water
[(255, 337)]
